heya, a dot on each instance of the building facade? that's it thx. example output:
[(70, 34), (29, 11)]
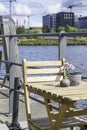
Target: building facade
[(49, 21), (59, 19), (64, 18), (82, 22)]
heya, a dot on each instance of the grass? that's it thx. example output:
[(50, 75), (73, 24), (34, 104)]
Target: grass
[(49, 42)]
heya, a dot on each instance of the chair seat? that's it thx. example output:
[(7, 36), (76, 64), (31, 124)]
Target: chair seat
[(44, 124), (40, 123), (75, 121)]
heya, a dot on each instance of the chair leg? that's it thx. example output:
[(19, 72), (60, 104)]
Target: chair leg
[(72, 128)]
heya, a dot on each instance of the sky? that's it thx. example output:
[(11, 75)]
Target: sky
[(29, 12)]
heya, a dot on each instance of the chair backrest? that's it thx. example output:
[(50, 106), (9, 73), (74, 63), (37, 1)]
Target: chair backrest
[(41, 71), (37, 72)]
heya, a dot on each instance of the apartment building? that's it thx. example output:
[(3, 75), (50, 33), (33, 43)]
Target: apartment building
[(64, 18), (53, 21), (82, 22), (49, 21)]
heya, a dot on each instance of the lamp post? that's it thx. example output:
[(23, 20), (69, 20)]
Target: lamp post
[(10, 2)]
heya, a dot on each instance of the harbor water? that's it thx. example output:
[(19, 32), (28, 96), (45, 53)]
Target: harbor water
[(76, 55)]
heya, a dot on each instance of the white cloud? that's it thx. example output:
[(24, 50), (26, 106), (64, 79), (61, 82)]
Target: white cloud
[(21, 9), (53, 8), (3, 9), (33, 24), (43, 2)]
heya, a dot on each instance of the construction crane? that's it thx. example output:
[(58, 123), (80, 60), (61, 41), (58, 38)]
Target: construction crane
[(23, 15), (10, 3), (28, 16), (74, 5)]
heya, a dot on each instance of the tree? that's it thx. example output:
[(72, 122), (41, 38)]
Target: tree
[(67, 28), (35, 31), (20, 30), (70, 29), (45, 29), (60, 28)]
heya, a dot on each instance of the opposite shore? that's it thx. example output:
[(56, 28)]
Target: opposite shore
[(42, 41)]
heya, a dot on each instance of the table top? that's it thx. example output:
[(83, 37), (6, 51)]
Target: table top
[(53, 91)]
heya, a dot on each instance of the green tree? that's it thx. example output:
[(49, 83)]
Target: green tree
[(27, 31), (67, 28), (60, 28), (35, 31), (20, 30), (45, 29), (70, 29)]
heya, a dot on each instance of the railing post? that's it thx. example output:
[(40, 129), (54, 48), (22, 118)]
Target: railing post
[(15, 101), (15, 71), (15, 125), (62, 45)]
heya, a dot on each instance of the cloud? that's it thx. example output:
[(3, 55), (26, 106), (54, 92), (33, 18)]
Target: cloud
[(53, 8), (3, 9), (33, 24), (43, 2), (21, 9), (74, 2)]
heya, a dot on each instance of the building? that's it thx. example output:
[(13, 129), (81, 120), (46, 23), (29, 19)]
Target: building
[(65, 18), (82, 22), (76, 21), (49, 21), (53, 21)]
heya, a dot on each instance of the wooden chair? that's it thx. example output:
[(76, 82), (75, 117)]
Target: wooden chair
[(41, 71), (37, 72)]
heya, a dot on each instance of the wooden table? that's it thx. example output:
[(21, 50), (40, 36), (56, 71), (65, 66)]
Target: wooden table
[(65, 96)]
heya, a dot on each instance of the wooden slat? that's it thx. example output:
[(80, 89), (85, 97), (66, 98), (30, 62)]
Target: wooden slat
[(43, 63), (43, 71), (55, 89), (43, 79), (76, 112)]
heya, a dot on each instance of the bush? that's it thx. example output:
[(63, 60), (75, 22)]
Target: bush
[(35, 41)]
